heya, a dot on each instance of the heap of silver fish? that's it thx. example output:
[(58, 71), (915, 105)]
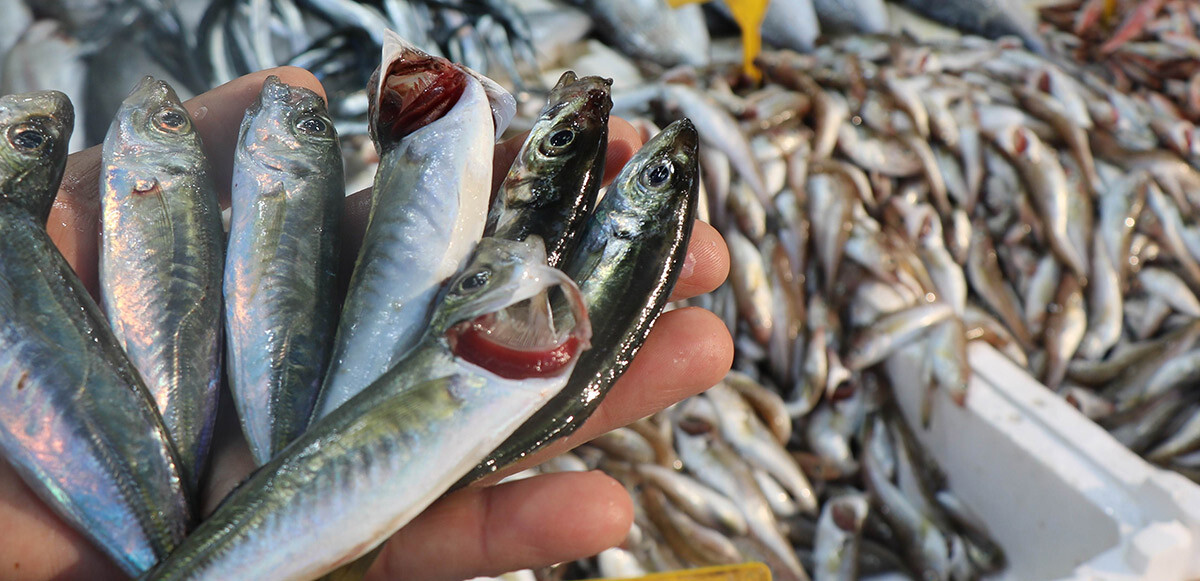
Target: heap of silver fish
[(882, 199)]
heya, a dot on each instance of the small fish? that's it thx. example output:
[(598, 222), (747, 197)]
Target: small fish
[(651, 30), (76, 421), (434, 124), (709, 507), (554, 181), (474, 372), (633, 246), (281, 314), (751, 438), (875, 343), (866, 16), (161, 262), (839, 529)]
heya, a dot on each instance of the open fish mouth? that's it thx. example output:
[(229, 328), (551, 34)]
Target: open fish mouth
[(527, 339)]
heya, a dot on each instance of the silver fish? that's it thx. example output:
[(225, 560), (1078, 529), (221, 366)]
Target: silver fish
[(161, 261), (430, 200), (280, 314), (76, 421)]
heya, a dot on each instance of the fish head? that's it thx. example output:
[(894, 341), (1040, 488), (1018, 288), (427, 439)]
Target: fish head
[(35, 128), (570, 135), (289, 129), (496, 312), (152, 123), (576, 114), (653, 181)]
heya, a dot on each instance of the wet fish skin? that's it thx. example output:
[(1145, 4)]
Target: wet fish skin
[(633, 246), (161, 262), (76, 422), (554, 181), (390, 441), (281, 268), (429, 203)]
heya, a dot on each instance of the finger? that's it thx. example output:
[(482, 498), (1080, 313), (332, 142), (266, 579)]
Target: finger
[(516, 525), (706, 264), (688, 351), (74, 223), (623, 142)]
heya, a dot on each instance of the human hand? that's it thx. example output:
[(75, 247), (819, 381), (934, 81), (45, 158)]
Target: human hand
[(478, 530)]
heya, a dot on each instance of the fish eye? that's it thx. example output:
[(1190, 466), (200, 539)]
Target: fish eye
[(562, 137), (557, 140), (311, 125), (26, 137), (475, 281), (171, 120), (658, 174)]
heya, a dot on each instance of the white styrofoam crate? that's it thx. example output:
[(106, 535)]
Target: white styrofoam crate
[(1062, 497)]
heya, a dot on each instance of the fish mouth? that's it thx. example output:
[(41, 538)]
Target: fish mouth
[(412, 90), (526, 338)]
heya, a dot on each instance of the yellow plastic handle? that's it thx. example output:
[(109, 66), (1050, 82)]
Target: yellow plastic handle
[(749, 16)]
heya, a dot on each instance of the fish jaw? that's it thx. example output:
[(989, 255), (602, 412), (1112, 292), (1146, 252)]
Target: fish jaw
[(514, 341), (32, 149)]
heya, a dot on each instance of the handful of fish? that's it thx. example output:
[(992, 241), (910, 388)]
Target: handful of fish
[(482, 333)]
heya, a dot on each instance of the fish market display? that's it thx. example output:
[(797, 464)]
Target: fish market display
[(373, 464), (75, 420), (914, 198), (281, 268), (633, 246), (1150, 47), (433, 125), (161, 260)]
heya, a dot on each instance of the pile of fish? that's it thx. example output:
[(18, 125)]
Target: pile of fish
[(462, 345), (1151, 47), (883, 199), (93, 50)]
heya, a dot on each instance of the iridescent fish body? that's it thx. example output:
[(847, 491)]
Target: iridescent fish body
[(161, 260), (553, 183), (280, 310), (75, 420)]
